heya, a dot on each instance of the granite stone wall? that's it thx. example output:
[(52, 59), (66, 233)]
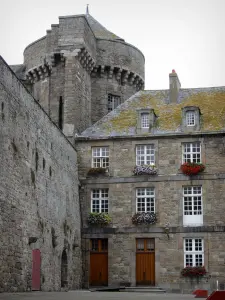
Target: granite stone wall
[(39, 201)]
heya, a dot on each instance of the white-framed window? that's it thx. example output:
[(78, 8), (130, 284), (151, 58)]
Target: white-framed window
[(145, 199), (191, 152), (113, 102), (145, 120), (145, 155), (193, 252), (100, 200), (192, 206), (100, 157), (190, 118)]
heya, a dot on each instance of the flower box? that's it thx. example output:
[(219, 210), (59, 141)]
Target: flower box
[(96, 171), (99, 219), (189, 168), (193, 271), (144, 218), (145, 170)]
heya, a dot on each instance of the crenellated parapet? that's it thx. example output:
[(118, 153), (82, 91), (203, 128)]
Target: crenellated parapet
[(123, 76), (44, 70)]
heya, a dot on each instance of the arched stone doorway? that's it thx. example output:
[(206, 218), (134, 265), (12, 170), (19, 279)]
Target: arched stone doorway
[(64, 269)]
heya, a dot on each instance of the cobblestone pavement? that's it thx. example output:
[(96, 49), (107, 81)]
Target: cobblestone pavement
[(87, 295)]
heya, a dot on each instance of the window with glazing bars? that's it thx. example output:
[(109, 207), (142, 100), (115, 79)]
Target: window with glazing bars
[(145, 120), (113, 102), (190, 118), (145, 199), (100, 200), (100, 157), (191, 152), (193, 252), (192, 199), (145, 155)]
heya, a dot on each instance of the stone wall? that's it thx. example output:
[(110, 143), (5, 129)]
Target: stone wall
[(38, 193), (168, 184), (34, 53)]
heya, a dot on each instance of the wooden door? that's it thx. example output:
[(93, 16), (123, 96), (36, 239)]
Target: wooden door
[(99, 262), (36, 270), (145, 262)]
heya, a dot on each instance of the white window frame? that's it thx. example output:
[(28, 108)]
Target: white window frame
[(190, 118), (100, 198), (191, 251), (113, 102), (147, 197), (192, 206), (100, 157), (145, 119), (145, 155), (191, 152)]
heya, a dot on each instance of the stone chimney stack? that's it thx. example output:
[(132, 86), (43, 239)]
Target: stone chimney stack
[(174, 86)]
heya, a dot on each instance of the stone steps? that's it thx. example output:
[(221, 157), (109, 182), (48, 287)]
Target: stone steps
[(144, 289)]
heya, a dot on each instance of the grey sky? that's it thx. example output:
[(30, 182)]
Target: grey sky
[(185, 35)]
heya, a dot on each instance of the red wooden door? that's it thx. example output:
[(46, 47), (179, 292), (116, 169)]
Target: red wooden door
[(145, 262), (99, 262), (36, 270)]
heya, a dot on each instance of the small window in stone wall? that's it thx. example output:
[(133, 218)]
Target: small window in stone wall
[(190, 118), (113, 102), (193, 252), (144, 120)]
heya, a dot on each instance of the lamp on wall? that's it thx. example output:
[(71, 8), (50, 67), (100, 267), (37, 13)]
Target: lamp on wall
[(167, 230)]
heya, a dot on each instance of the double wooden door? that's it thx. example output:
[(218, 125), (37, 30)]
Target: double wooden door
[(145, 262), (99, 262)]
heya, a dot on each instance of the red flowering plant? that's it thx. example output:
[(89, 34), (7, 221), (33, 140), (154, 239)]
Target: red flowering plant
[(191, 168), (193, 271)]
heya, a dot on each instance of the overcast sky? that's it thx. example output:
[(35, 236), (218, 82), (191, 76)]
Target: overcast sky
[(185, 35)]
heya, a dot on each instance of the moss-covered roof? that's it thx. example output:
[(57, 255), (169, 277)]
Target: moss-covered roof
[(100, 31), (123, 120)]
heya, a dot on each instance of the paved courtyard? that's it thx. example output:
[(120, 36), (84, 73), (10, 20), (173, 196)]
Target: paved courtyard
[(87, 295)]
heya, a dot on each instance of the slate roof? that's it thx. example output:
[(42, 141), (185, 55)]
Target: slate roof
[(123, 120), (100, 31)]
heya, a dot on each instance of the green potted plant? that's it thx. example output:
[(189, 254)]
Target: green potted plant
[(96, 218), (144, 218), (193, 271)]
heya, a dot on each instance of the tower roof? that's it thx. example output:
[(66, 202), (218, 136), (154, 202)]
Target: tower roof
[(100, 31)]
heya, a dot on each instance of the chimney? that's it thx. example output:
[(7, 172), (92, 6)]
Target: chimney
[(174, 87)]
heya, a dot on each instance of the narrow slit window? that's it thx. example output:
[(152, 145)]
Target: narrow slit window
[(61, 108)]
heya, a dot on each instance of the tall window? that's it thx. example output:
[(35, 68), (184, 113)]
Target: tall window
[(100, 200), (145, 155), (113, 102), (100, 157), (192, 152), (145, 199), (61, 111), (145, 120), (193, 252), (190, 118), (192, 205)]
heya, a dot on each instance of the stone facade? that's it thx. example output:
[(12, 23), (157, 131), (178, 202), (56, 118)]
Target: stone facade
[(112, 132), (39, 200)]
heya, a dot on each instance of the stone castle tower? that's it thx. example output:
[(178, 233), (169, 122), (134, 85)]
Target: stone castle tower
[(80, 71)]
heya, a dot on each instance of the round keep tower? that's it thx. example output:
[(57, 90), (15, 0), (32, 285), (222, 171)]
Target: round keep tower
[(80, 71)]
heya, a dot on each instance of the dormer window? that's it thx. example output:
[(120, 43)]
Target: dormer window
[(145, 120), (190, 118)]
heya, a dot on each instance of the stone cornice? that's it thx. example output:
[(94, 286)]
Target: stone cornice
[(151, 178), (123, 76), (151, 136), (153, 229)]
